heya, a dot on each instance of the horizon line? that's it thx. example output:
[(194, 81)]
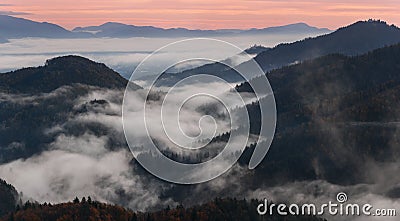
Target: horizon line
[(176, 27)]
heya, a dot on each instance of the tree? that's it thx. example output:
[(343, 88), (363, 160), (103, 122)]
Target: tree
[(76, 200)]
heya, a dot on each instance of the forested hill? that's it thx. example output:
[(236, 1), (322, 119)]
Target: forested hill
[(35, 99), (355, 39), (61, 71), (8, 198), (336, 112), (86, 210)]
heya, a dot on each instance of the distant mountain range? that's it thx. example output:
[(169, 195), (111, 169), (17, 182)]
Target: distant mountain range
[(13, 27), (355, 39), (112, 29)]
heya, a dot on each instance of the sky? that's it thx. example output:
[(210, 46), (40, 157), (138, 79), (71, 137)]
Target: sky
[(204, 14)]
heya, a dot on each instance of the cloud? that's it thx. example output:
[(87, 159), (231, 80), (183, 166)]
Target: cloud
[(122, 55), (83, 164)]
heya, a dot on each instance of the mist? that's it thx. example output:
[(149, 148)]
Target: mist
[(85, 163), (122, 55)]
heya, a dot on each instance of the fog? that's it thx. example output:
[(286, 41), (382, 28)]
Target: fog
[(123, 55), (86, 165), (89, 164), (81, 163)]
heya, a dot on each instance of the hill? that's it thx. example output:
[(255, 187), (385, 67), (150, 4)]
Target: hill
[(120, 30), (291, 28), (9, 198), (13, 27), (355, 39), (334, 113), (59, 72), (36, 99)]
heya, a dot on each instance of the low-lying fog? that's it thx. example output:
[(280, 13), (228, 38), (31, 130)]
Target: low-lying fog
[(123, 55)]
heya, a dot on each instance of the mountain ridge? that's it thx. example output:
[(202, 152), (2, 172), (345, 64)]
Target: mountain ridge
[(354, 39), (15, 27), (61, 71), (117, 29), (357, 38)]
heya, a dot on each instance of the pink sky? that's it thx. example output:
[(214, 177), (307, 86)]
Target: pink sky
[(204, 14)]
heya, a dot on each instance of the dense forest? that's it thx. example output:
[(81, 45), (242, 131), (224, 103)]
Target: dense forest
[(61, 71), (336, 110), (88, 210), (8, 198)]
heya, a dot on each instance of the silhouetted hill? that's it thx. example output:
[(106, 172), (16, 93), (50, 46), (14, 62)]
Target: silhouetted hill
[(217, 210), (8, 198), (355, 39), (334, 113), (59, 72), (118, 30), (296, 28), (35, 99), (13, 27)]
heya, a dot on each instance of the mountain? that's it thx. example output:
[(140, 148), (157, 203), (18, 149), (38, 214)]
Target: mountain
[(291, 28), (13, 27), (337, 116), (59, 72), (119, 30), (51, 92), (335, 112), (355, 39), (219, 209)]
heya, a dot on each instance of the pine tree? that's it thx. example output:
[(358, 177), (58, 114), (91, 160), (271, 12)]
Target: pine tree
[(76, 200)]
